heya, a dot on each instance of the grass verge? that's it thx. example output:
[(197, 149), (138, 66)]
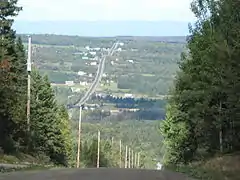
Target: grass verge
[(219, 168)]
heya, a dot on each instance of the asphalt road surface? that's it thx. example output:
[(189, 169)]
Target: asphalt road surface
[(94, 174)]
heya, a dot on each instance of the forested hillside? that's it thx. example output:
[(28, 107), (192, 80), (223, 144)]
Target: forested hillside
[(49, 137), (143, 65), (203, 115)]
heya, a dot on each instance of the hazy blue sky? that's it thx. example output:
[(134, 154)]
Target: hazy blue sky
[(170, 10)]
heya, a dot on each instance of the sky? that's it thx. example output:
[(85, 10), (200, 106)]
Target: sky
[(93, 10)]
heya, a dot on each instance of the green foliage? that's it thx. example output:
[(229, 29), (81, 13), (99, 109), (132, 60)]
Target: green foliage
[(152, 73), (202, 118), (11, 82), (140, 136), (89, 152), (50, 135), (50, 124)]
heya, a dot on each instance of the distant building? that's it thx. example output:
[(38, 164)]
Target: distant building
[(85, 58), (130, 60), (69, 83), (128, 95), (78, 53), (81, 73), (93, 53), (83, 83), (93, 63), (75, 89), (119, 49), (97, 48), (104, 75)]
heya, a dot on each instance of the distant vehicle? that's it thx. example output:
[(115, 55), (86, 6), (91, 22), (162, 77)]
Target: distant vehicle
[(159, 166)]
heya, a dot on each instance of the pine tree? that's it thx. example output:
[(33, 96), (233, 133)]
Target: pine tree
[(49, 123), (204, 110), (11, 100), (66, 153)]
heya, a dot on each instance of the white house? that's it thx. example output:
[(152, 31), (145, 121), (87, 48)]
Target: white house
[(97, 48), (81, 73), (93, 53), (69, 83), (83, 83), (74, 89), (130, 60), (85, 57), (93, 63), (128, 95)]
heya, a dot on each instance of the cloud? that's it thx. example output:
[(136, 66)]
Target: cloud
[(106, 10)]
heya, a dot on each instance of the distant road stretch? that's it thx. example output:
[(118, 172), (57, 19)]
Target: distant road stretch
[(98, 77), (94, 174)]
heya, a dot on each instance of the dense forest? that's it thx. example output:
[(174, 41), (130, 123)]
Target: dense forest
[(141, 103), (203, 114), (48, 134)]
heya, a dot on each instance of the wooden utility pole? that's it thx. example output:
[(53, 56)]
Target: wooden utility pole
[(129, 157), (221, 129), (126, 156), (138, 160), (98, 152), (112, 142), (29, 69), (79, 136), (120, 153), (135, 160), (132, 156), (112, 146)]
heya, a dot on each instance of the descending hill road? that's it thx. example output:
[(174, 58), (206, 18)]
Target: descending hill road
[(94, 174)]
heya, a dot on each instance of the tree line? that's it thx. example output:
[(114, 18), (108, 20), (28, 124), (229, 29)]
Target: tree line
[(128, 102), (203, 116), (50, 131)]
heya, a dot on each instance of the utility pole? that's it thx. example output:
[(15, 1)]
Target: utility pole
[(129, 157), (29, 69), (132, 159), (135, 160), (126, 157), (120, 153), (79, 135), (98, 152), (138, 160), (112, 147), (112, 142)]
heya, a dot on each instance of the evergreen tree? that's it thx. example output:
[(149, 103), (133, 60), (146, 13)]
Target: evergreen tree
[(11, 100), (50, 126), (203, 116), (66, 153)]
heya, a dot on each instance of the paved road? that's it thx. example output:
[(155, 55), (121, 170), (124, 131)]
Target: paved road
[(98, 77), (94, 174)]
